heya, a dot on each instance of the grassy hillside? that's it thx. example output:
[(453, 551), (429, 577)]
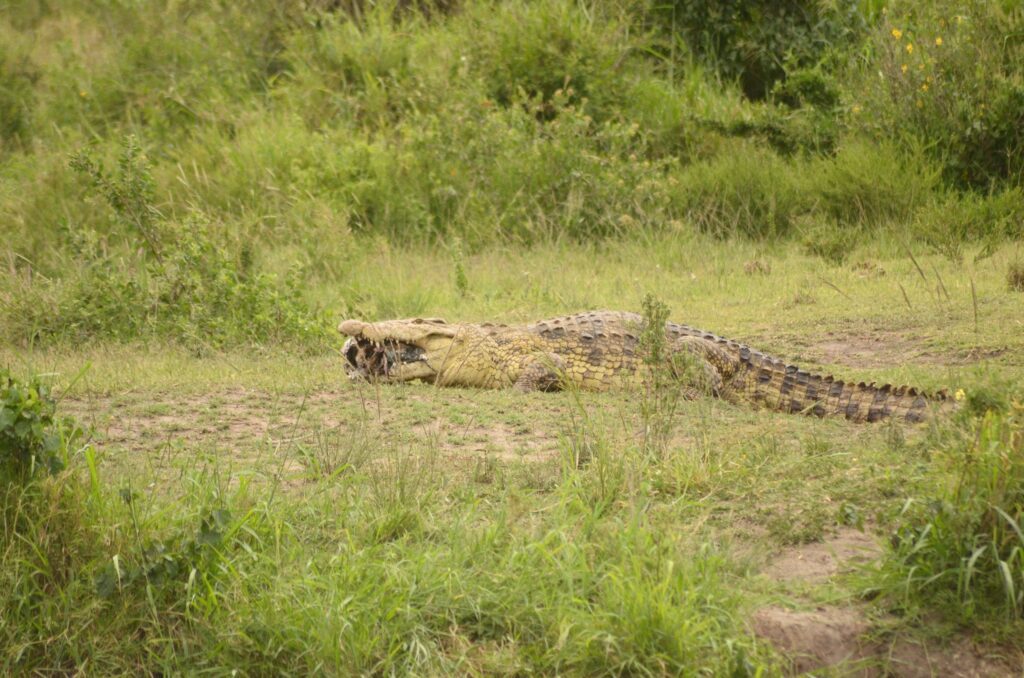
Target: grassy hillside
[(292, 139), (192, 194)]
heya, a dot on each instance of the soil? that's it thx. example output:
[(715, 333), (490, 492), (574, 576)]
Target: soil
[(839, 638)]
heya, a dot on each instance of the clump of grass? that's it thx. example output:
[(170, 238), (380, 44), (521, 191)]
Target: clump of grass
[(953, 222), (964, 547), (825, 238), (869, 184), (1015, 276), (747, 192)]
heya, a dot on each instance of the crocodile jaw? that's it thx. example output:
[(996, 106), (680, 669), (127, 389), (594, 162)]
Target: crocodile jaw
[(394, 350)]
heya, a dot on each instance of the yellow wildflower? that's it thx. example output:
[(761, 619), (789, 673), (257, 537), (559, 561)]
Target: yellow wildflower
[(924, 87), (938, 42), (920, 104), (856, 108), (910, 48), (960, 395), (897, 33), (903, 68)]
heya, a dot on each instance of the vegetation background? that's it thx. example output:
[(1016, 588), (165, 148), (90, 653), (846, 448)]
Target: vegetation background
[(213, 181)]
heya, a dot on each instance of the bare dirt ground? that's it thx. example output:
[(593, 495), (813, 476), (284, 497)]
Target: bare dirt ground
[(841, 637)]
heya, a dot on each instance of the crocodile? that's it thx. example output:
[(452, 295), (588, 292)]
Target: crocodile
[(603, 350)]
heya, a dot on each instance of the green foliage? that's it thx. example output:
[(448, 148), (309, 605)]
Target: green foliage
[(827, 239), (662, 386), (871, 184), (546, 50), (949, 224), (185, 559), (187, 286), (758, 41), (965, 547), (129, 194), (33, 439), (947, 74), (747, 192)]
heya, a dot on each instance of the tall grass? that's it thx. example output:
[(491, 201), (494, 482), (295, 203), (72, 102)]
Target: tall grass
[(383, 566)]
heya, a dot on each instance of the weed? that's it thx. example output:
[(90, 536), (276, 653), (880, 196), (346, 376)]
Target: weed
[(129, 193), (827, 239), (664, 380), (459, 268)]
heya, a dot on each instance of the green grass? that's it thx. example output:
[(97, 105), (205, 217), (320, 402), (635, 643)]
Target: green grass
[(421, 530), (193, 196)]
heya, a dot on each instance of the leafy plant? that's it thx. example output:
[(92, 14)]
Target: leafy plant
[(32, 438), (757, 41)]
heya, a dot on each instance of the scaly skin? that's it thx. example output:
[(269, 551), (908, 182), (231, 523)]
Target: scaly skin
[(601, 350)]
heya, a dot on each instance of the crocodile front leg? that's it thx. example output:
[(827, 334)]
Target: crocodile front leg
[(544, 372)]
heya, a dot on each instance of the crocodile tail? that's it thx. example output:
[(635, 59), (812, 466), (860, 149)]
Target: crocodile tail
[(787, 388)]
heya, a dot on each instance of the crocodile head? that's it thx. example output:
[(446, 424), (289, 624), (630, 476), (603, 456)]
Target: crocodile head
[(396, 350)]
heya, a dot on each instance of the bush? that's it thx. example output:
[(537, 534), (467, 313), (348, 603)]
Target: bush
[(181, 284), (950, 76), (537, 50), (757, 41), (869, 184), (948, 223), (32, 439)]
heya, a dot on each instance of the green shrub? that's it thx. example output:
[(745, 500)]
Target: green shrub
[(183, 284), (965, 546), (757, 41), (947, 74), (536, 50), (800, 131), (32, 438), (826, 239), (869, 184)]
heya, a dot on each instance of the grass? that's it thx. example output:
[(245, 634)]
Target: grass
[(417, 530), (194, 196)]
